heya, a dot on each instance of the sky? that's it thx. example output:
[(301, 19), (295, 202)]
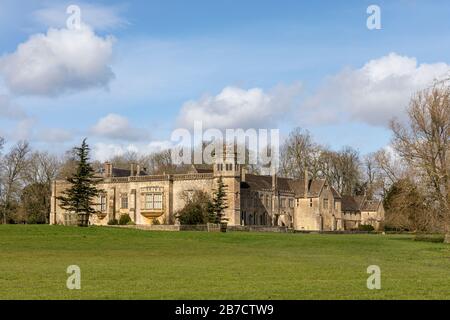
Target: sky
[(137, 70)]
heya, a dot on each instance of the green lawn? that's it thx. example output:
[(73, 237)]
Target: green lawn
[(133, 264)]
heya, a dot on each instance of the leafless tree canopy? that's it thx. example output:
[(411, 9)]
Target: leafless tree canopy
[(13, 168), (424, 143)]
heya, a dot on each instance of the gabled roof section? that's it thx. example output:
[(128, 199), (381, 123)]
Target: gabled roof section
[(371, 205), (336, 194), (257, 182), (201, 168), (295, 186), (350, 204), (359, 203), (314, 187)]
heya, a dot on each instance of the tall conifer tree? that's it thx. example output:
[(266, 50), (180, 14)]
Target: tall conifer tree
[(79, 197), (219, 202)]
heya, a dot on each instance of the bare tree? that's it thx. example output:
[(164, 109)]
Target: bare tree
[(299, 152), (160, 162), (342, 169), (35, 199), (406, 208), (43, 168), (12, 170), (424, 142), (125, 160)]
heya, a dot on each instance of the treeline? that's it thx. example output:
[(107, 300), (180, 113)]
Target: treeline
[(25, 184), (26, 176), (411, 176)]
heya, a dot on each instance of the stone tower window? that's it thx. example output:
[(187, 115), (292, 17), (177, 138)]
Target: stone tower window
[(103, 203)]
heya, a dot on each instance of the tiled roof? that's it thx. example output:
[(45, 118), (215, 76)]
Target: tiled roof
[(117, 172), (349, 204), (359, 203), (336, 194), (257, 182), (371, 205), (360, 200), (297, 186), (201, 168), (314, 187)]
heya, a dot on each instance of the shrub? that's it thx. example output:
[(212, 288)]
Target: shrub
[(124, 219), (156, 222), (131, 223), (391, 228), (192, 213), (196, 210), (366, 227), (113, 222)]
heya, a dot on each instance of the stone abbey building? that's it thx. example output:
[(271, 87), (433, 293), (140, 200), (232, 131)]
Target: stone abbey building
[(301, 204)]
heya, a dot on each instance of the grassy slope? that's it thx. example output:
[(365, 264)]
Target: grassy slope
[(133, 264)]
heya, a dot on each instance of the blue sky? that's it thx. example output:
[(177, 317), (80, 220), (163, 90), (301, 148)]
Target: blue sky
[(144, 68)]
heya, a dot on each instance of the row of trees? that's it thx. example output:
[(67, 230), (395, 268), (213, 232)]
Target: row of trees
[(26, 177), (411, 176), (422, 189), (25, 184)]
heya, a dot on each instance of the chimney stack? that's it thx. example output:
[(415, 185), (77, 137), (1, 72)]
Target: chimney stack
[(132, 170), (244, 172), (274, 181), (107, 169), (138, 170)]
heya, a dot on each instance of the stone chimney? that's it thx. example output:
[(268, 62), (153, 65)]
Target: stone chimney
[(132, 170), (138, 170), (243, 174), (306, 182), (107, 169), (274, 181)]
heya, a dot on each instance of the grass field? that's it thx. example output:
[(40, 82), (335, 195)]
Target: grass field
[(133, 264)]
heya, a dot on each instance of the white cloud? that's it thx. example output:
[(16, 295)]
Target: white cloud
[(117, 127), (63, 60), (54, 135), (10, 110), (24, 129), (99, 17), (373, 94), (104, 151), (239, 108)]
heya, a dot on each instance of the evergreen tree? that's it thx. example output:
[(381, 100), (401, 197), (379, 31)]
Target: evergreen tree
[(79, 197), (219, 203), (211, 216)]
